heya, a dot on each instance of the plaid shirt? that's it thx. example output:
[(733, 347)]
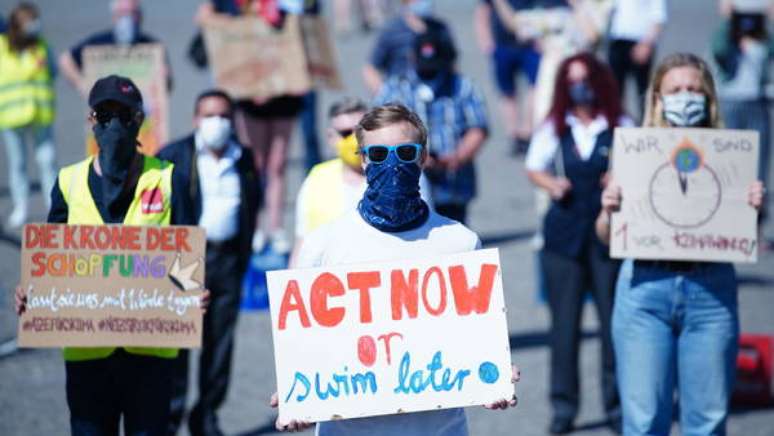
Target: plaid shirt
[(448, 113)]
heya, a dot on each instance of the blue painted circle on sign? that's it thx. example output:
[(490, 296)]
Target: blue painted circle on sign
[(687, 160), (488, 372)]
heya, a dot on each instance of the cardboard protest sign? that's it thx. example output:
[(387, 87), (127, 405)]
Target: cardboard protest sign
[(319, 51), (112, 285), (382, 338), (251, 59), (684, 194), (146, 66)]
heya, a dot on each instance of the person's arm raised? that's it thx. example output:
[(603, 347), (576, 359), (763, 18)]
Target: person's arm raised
[(72, 73), (482, 17)]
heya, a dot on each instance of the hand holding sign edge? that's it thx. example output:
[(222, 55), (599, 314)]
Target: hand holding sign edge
[(503, 403), (291, 426)]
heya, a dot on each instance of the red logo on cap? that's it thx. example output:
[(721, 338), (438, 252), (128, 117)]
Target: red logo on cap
[(427, 50), (126, 89), (152, 201)]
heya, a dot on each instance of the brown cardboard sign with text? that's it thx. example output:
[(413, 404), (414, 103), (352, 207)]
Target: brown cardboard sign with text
[(684, 194), (112, 285), (252, 60)]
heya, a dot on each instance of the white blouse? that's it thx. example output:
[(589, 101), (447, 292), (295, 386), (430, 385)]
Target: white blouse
[(545, 142)]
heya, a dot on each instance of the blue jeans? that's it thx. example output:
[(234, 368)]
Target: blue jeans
[(675, 330)]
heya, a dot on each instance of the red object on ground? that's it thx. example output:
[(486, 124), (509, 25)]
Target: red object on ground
[(754, 371)]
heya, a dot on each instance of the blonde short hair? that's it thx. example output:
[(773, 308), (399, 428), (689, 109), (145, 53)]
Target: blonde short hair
[(387, 115), (654, 112)]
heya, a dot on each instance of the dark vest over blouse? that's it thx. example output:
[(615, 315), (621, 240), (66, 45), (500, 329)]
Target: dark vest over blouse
[(569, 222)]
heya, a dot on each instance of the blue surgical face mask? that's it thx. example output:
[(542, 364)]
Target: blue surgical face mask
[(125, 29), (421, 8), (31, 29), (685, 109), (581, 94), (392, 202)]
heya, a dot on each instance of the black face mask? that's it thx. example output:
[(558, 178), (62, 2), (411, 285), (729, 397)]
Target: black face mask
[(581, 94), (117, 150), (428, 72)]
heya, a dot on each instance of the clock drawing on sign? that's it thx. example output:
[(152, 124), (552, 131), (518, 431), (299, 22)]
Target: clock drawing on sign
[(685, 192)]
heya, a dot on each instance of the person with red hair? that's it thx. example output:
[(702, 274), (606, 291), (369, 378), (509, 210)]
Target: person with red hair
[(568, 158)]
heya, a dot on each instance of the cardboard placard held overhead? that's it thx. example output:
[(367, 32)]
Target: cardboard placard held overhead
[(112, 285), (390, 337), (320, 53), (684, 194), (251, 59), (146, 66)]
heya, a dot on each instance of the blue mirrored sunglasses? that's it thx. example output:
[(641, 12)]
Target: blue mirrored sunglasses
[(407, 153)]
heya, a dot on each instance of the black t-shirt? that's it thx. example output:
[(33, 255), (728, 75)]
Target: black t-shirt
[(104, 38), (181, 210)]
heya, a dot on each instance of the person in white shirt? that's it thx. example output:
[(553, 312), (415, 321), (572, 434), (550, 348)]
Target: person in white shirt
[(224, 194), (634, 31), (568, 159), (391, 222)]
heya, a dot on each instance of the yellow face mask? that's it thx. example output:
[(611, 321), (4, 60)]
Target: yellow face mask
[(348, 151)]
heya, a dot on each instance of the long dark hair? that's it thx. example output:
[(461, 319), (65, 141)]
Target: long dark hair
[(17, 40), (607, 101)]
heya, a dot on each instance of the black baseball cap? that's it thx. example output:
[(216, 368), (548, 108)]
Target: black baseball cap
[(434, 51), (115, 88)]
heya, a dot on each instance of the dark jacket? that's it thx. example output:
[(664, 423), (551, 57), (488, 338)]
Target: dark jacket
[(183, 153)]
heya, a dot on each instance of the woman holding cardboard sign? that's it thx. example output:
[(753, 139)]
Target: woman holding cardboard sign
[(675, 324)]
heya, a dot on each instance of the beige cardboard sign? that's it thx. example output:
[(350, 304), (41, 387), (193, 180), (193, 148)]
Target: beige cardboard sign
[(251, 59), (112, 285), (320, 53), (390, 337), (146, 66), (684, 194)]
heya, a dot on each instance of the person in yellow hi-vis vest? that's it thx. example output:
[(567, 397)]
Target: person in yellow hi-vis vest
[(26, 106), (335, 185), (106, 384)]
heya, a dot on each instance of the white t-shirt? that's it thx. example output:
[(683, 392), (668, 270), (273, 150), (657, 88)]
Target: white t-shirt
[(350, 239), (633, 20)]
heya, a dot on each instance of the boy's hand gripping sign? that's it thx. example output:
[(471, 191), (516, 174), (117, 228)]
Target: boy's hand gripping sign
[(382, 338), (112, 285)]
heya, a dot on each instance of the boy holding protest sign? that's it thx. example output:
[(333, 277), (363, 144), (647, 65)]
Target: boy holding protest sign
[(391, 222)]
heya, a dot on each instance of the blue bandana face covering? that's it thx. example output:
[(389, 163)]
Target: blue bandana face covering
[(391, 202)]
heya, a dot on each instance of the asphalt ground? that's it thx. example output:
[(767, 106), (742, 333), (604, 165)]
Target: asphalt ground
[(32, 399)]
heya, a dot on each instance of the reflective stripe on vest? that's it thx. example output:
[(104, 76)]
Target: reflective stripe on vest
[(26, 88), (81, 209), (324, 197)]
